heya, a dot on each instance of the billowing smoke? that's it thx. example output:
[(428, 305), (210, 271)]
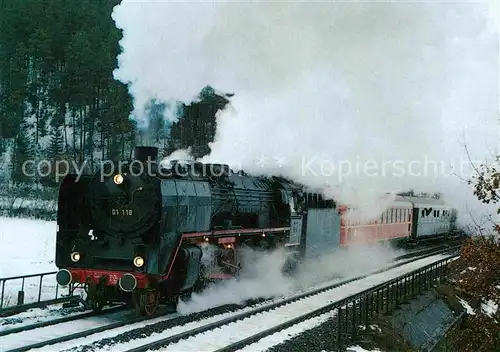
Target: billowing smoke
[(180, 155), (356, 98), (261, 276)]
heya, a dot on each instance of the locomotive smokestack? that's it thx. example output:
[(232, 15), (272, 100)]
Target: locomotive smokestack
[(145, 154)]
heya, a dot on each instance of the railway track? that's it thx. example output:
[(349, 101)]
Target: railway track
[(125, 322), (71, 328), (75, 317), (219, 332), (343, 318)]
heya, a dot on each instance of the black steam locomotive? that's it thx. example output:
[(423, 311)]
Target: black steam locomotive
[(136, 235)]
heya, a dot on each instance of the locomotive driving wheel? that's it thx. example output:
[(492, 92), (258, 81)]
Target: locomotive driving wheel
[(146, 301)]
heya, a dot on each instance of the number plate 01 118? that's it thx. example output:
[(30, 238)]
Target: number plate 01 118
[(121, 212)]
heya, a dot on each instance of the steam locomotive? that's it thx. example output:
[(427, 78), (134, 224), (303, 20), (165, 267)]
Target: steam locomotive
[(138, 235)]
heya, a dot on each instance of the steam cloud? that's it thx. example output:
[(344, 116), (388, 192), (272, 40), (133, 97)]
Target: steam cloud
[(329, 84), (262, 277)]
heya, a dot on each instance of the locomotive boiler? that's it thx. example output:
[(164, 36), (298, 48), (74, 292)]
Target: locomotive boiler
[(136, 234)]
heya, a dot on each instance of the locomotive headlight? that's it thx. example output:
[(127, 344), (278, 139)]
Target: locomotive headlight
[(138, 261), (118, 179), (75, 256)]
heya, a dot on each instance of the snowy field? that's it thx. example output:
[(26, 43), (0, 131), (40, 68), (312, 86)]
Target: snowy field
[(28, 247)]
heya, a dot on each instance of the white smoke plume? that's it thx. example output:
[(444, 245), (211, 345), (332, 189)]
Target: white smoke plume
[(356, 98), (262, 277), (180, 155)]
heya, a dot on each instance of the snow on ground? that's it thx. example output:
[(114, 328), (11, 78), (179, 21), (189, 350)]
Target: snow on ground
[(37, 315), (27, 247), (467, 306), (25, 338), (228, 334), (360, 349), (114, 332), (489, 307)]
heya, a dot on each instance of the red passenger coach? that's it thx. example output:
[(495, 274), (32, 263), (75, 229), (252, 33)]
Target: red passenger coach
[(393, 224)]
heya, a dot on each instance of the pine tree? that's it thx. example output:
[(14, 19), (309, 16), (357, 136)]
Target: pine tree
[(56, 148), (23, 167), (197, 123)]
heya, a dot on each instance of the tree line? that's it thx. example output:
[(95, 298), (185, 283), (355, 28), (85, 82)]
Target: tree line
[(58, 97)]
